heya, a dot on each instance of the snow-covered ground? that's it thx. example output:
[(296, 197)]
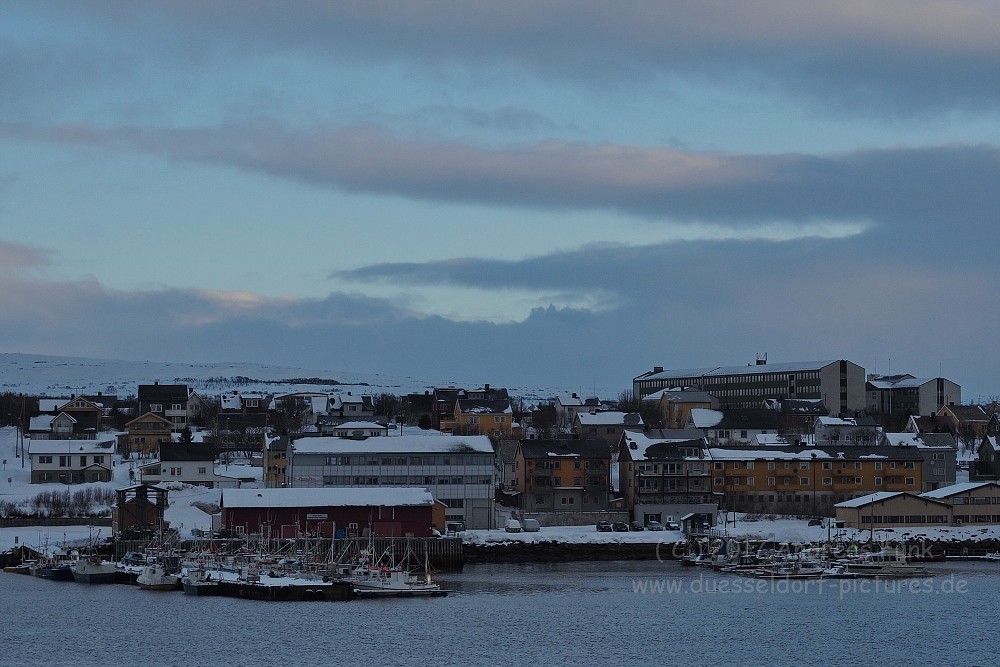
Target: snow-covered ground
[(53, 376), (181, 513), (791, 530)]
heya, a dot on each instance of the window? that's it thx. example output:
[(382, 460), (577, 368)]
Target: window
[(718, 481), (178, 406), (156, 407), (909, 481), (83, 461), (827, 481), (567, 501), (202, 471), (749, 465), (99, 460), (45, 459), (770, 465), (539, 500), (770, 481), (803, 481), (878, 481), (63, 461), (803, 466), (827, 465), (878, 465)]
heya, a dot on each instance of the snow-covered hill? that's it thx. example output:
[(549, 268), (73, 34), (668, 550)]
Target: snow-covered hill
[(45, 375)]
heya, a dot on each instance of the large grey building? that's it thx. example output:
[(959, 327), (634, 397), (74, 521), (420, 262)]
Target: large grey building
[(457, 470), (840, 384), (891, 399)]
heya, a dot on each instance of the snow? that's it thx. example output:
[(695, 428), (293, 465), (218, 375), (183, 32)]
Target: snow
[(181, 513), (328, 497), (408, 443), (870, 498)]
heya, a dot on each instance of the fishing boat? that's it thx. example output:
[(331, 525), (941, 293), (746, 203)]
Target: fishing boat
[(885, 563), (199, 581), (790, 570), (839, 572), (154, 577), (93, 569), (374, 575)]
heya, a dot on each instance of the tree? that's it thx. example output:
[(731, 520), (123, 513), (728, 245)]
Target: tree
[(387, 405), (187, 437)]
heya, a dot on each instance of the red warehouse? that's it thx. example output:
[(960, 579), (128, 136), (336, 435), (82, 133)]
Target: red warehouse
[(325, 511)]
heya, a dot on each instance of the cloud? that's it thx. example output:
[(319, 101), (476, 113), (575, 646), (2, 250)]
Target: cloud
[(896, 56), (15, 257), (915, 187)]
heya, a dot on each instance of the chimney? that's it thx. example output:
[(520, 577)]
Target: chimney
[(486, 387), (657, 369), (574, 395)]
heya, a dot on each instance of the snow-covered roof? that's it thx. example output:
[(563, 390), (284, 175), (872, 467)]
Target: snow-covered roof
[(790, 454), (738, 370), (403, 444), (609, 418), (639, 443), (837, 421), (41, 423), (379, 496), (956, 489), (355, 425), (230, 400), (921, 440), (861, 501), (71, 447), (705, 418)]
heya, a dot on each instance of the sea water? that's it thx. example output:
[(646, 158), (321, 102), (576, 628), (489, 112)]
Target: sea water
[(608, 614)]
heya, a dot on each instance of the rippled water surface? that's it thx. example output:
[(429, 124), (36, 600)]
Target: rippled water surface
[(619, 613)]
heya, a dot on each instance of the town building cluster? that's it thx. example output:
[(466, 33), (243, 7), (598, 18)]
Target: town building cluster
[(810, 438)]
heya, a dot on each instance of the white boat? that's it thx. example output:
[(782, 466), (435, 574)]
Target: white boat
[(94, 570), (382, 575), (199, 581), (993, 556), (154, 577), (838, 572), (885, 563), (790, 570)]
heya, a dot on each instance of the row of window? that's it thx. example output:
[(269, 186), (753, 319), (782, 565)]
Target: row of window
[(403, 460), (806, 481), (907, 519), (566, 501), (806, 465), (66, 461), (402, 480)]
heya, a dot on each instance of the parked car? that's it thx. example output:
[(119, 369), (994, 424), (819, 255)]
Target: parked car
[(512, 526), (672, 525), (620, 527), (815, 522), (530, 525), (636, 525), (604, 526), (654, 525)]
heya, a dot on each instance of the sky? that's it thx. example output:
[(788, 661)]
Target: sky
[(566, 193)]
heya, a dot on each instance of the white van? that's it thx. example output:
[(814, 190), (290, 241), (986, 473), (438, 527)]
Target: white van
[(531, 526), (512, 526)]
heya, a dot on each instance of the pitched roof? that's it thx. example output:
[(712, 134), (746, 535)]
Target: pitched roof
[(162, 393), (609, 418), (561, 448), (179, 451), (956, 489), (969, 413), (473, 406), (748, 418), (399, 444), (379, 496)]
